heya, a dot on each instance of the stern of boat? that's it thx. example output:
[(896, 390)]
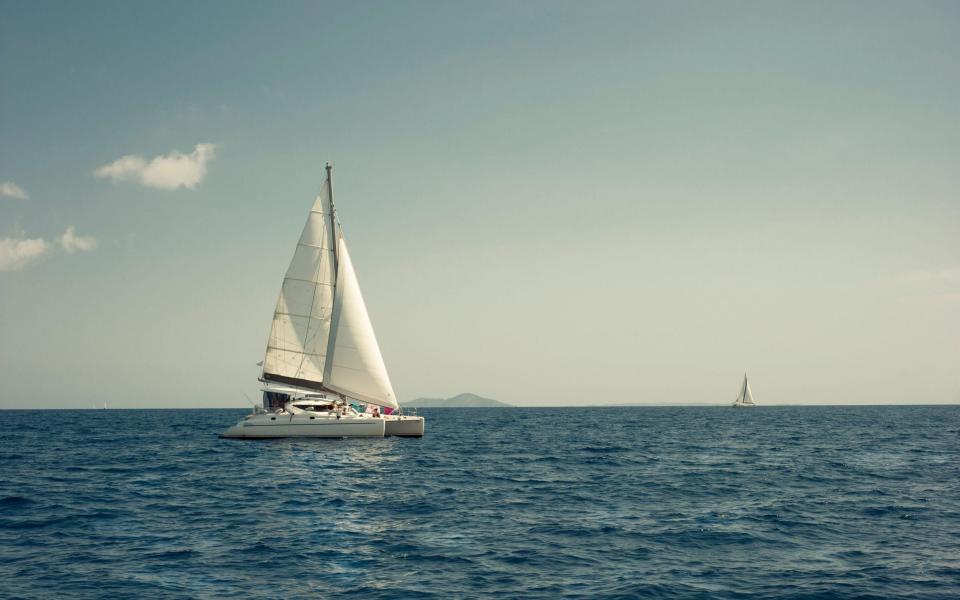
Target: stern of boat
[(403, 426)]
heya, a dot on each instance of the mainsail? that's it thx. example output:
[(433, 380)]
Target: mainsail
[(321, 315)]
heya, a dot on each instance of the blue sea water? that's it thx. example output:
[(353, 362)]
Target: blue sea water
[(686, 502)]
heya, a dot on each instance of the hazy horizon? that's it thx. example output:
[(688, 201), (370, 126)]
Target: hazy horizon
[(571, 406), (547, 203)]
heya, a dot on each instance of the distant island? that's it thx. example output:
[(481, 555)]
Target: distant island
[(459, 401)]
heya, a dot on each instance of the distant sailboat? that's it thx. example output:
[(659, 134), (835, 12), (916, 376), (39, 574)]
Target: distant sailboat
[(745, 398), (322, 354)]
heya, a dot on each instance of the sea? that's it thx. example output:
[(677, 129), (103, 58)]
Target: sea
[(617, 502)]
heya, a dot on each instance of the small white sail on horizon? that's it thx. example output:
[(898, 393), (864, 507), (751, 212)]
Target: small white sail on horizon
[(745, 397)]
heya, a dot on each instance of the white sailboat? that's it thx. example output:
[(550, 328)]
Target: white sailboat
[(745, 398), (322, 355)]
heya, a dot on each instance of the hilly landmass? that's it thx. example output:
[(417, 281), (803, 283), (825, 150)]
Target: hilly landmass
[(466, 400)]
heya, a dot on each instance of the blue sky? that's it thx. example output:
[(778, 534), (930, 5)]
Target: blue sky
[(547, 203)]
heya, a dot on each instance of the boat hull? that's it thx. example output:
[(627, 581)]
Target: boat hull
[(303, 426), (403, 426)]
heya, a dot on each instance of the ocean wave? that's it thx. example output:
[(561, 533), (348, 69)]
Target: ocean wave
[(661, 503)]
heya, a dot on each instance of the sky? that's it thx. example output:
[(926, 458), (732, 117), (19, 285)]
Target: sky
[(547, 203)]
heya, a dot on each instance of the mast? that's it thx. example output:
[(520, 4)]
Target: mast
[(335, 243), (335, 312), (334, 225)]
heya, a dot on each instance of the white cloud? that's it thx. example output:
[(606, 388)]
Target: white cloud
[(165, 172), (71, 242), (124, 168), (19, 252), (12, 190)]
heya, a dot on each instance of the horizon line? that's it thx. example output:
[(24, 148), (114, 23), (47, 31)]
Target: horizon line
[(726, 405)]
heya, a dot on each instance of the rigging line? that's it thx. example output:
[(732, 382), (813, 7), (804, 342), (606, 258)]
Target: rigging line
[(314, 246), (306, 281), (293, 351)]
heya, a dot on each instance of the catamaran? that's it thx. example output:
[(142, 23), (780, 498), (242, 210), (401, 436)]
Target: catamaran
[(323, 374), (745, 398)]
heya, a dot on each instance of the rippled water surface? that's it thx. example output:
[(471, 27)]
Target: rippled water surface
[(603, 503)]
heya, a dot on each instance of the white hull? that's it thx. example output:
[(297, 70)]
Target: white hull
[(403, 426), (271, 425)]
